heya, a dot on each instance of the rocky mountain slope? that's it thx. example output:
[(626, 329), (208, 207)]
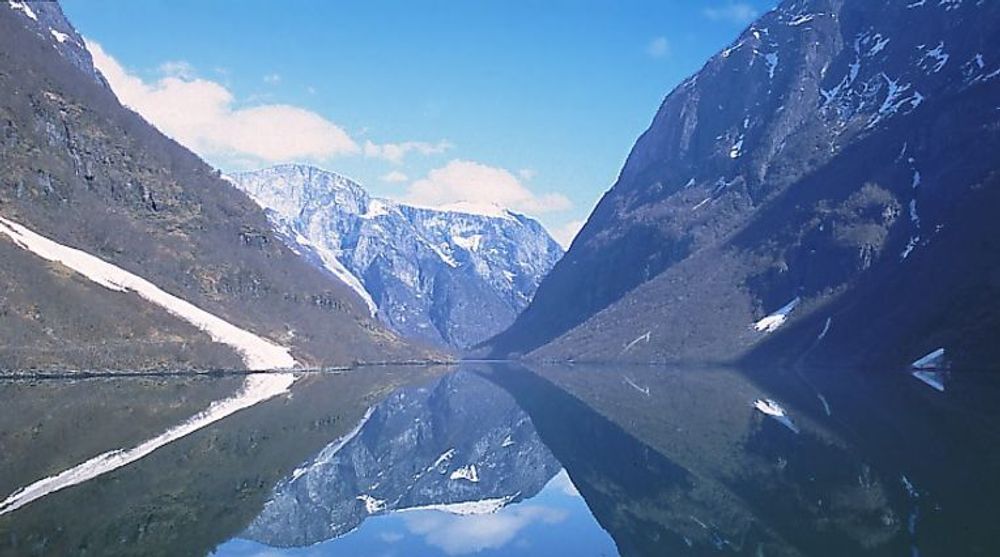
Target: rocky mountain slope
[(823, 190), (80, 170), (451, 278)]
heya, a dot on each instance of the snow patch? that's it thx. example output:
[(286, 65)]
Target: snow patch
[(932, 369), (23, 7), (801, 19), (258, 353), (372, 505), (894, 100), (933, 360), (333, 264), (826, 329), (737, 149), (376, 208), (469, 243), (910, 246), (634, 385), (59, 37), (939, 57), (483, 506), (466, 473), (701, 204), (772, 63), (444, 457), (771, 323), (641, 338), (826, 405)]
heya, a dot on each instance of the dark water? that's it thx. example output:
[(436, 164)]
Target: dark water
[(488, 459)]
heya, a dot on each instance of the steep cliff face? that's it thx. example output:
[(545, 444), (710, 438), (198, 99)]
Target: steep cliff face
[(452, 278), (81, 170), (836, 149)]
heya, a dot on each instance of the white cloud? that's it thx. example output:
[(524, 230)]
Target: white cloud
[(566, 233), (526, 173), (176, 68), (460, 535), (658, 48), (738, 13), (481, 185), (272, 78), (395, 152), (201, 114), (395, 177), (564, 484)]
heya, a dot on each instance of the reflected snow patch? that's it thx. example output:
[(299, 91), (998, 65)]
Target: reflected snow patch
[(256, 389), (776, 411)]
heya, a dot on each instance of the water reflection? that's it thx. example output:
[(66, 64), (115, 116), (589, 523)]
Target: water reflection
[(460, 445), (510, 460)]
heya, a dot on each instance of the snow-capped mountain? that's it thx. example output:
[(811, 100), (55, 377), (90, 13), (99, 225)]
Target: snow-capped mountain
[(835, 165), (461, 445), (448, 277)]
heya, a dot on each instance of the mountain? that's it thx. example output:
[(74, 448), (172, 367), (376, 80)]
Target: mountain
[(460, 445), (122, 249), (451, 278), (822, 191)]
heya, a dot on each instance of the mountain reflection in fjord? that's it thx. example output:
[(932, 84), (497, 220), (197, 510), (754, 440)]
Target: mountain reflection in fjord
[(507, 460)]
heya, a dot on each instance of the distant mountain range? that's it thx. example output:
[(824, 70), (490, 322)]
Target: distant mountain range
[(451, 278), (823, 191), (122, 249)]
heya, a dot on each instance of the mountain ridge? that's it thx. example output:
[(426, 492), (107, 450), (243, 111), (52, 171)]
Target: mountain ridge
[(451, 277)]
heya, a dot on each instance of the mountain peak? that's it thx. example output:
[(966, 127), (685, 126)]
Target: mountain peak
[(46, 18), (451, 275)]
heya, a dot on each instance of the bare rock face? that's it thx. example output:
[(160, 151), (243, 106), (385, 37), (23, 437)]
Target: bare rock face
[(838, 153)]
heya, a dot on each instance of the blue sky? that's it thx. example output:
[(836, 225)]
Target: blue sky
[(532, 104)]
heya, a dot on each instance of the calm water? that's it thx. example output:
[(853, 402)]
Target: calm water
[(503, 460)]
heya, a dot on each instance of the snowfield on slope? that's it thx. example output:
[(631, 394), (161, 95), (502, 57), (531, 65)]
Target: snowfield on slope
[(257, 353)]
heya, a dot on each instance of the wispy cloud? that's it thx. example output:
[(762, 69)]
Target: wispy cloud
[(396, 152), (462, 181), (177, 68), (658, 48), (202, 115), (737, 13), (272, 78), (395, 177)]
